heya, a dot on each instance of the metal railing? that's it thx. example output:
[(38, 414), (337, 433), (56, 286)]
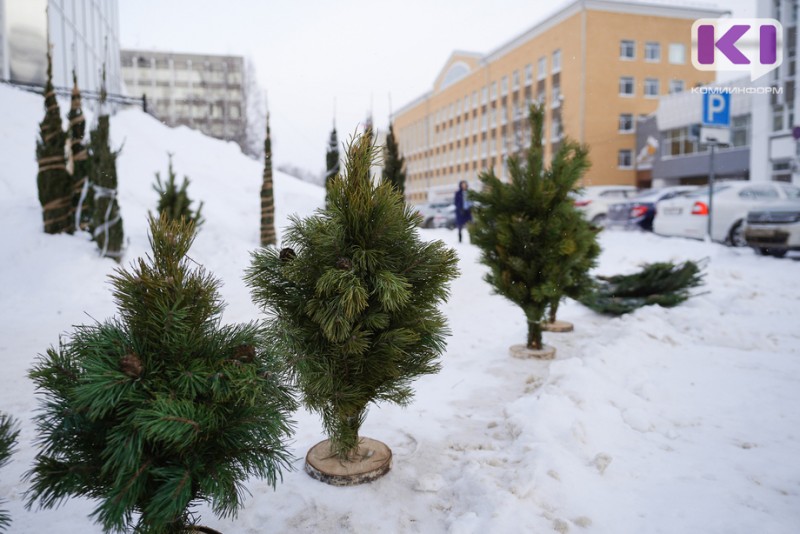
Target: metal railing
[(112, 98)]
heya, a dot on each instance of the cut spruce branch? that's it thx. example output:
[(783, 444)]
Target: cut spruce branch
[(665, 283)]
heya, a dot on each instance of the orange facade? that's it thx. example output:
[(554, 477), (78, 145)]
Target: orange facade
[(580, 63)]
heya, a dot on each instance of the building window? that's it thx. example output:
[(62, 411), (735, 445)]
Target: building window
[(493, 92), (474, 99), (504, 86), (484, 95), (515, 80), (675, 86), (557, 98), (627, 49), (782, 171), (542, 68), (556, 61), (740, 130), (555, 129), (677, 53), (626, 86), (626, 123), (778, 123), (652, 51), (651, 88), (625, 159), (528, 74)]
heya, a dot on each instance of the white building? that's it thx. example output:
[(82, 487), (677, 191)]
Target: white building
[(774, 151), (84, 34), (201, 91)]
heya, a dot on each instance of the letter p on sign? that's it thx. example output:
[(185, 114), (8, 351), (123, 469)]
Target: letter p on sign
[(717, 109)]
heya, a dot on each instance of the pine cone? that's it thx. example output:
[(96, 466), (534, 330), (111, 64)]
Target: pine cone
[(344, 264), (131, 365), (245, 353), (287, 255)]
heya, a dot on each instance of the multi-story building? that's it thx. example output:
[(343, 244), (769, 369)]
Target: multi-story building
[(83, 34), (774, 153), (596, 65), (201, 91), (669, 148)]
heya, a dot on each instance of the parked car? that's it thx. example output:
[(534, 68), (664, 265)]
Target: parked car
[(687, 216), (430, 210), (774, 229), (445, 218), (593, 201), (639, 211)]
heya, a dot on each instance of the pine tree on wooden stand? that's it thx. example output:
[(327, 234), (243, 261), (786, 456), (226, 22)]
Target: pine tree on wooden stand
[(353, 304), (173, 201), (519, 226), (53, 180), (268, 236), (331, 162), (106, 219), (162, 407), (393, 163), (82, 193)]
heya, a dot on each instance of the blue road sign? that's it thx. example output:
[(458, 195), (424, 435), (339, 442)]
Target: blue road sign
[(717, 109)]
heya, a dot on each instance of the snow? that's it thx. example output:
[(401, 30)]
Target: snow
[(661, 421)]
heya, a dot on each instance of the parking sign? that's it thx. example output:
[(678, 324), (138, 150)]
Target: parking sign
[(717, 109)]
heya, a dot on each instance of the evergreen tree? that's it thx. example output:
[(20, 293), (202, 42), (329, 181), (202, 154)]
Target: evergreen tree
[(520, 225), (393, 163), (82, 193), (354, 301), (53, 180), (9, 432), (161, 407), (664, 283), (331, 162), (267, 199), (573, 276), (174, 202), (106, 219)]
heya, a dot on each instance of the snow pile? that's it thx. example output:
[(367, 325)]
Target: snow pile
[(680, 420)]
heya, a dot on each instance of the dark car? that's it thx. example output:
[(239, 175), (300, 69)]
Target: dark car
[(639, 211)]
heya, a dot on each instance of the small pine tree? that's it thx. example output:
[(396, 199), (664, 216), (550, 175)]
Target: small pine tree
[(574, 279), (268, 236), (53, 180), (331, 163), (354, 301), (174, 202), (106, 219), (162, 407), (82, 193), (393, 163), (9, 432), (664, 283), (520, 226)]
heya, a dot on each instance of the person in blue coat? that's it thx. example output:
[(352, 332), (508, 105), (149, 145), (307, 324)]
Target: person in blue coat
[(463, 207)]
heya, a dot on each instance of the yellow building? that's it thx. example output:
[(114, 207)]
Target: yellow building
[(597, 66)]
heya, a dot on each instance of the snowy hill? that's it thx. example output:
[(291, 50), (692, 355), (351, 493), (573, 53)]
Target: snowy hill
[(662, 421)]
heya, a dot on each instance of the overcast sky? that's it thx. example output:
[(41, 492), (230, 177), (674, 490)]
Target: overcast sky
[(308, 52)]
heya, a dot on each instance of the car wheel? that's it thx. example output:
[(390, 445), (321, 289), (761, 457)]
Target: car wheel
[(762, 251), (428, 223), (736, 235), (599, 220), (778, 252)]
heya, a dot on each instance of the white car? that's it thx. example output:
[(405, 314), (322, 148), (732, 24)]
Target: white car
[(687, 216), (594, 201), (774, 229), (433, 211)]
